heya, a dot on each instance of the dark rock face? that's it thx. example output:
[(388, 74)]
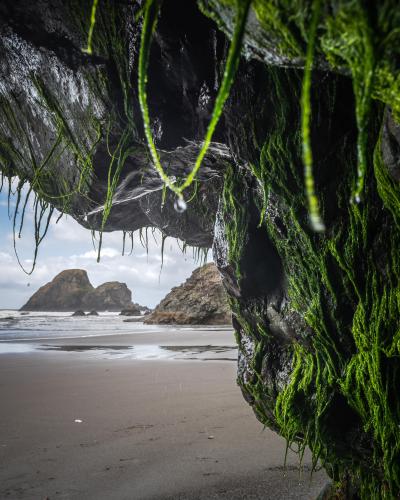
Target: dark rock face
[(315, 314), (78, 313), (50, 87), (65, 292), (110, 296), (391, 145), (134, 310), (71, 289), (201, 300)]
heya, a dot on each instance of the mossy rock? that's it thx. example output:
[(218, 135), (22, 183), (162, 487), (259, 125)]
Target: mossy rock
[(315, 313)]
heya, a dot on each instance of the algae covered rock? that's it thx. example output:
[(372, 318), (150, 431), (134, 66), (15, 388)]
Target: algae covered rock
[(201, 300), (77, 112)]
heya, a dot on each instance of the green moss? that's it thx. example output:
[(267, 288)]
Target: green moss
[(19, 157), (236, 218), (345, 35), (313, 205), (88, 49), (275, 20), (66, 140), (348, 42), (353, 266), (79, 145), (388, 188), (151, 12), (42, 213), (105, 26)]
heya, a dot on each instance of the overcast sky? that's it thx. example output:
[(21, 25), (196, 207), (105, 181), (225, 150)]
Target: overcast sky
[(69, 246)]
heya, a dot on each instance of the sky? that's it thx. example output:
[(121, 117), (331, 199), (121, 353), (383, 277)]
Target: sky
[(67, 245)]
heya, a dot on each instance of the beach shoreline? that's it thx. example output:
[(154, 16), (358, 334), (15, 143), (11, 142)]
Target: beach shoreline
[(90, 424)]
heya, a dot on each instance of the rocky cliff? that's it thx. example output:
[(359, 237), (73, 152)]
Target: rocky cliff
[(71, 290), (201, 300), (298, 193)]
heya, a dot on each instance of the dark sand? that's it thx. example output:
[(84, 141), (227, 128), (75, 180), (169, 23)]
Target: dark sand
[(151, 429)]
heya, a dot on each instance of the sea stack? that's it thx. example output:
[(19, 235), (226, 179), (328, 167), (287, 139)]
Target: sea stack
[(71, 290), (201, 300)]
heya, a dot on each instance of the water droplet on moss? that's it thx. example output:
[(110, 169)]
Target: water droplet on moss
[(355, 199)]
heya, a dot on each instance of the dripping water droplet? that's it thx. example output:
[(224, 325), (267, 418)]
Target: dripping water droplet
[(180, 205), (355, 199)]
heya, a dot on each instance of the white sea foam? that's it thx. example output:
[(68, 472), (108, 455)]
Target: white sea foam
[(19, 326)]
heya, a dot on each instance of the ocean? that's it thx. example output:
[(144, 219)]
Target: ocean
[(108, 335), (23, 325)]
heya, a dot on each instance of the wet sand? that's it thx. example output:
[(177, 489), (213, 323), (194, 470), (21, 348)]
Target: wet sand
[(89, 424)]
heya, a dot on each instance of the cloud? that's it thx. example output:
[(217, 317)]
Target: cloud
[(5, 257), (92, 254), (68, 246), (67, 229)]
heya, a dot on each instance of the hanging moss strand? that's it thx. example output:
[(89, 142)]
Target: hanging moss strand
[(150, 19), (88, 48), (313, 204), (152, 8), (242, 9)]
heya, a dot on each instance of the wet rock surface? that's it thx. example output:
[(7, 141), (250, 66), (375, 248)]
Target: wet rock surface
[(72, 109)]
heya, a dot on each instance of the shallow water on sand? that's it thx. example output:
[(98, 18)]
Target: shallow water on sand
[(107, 336), (140, 352)]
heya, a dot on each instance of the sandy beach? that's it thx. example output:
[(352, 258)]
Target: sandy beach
[(86, 419)]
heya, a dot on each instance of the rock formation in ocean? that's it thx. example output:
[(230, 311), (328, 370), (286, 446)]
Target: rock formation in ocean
[(78, 313), (111, 296), (135, 310), (71, 290), (298, 193), (65, 292), (201, 300)]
